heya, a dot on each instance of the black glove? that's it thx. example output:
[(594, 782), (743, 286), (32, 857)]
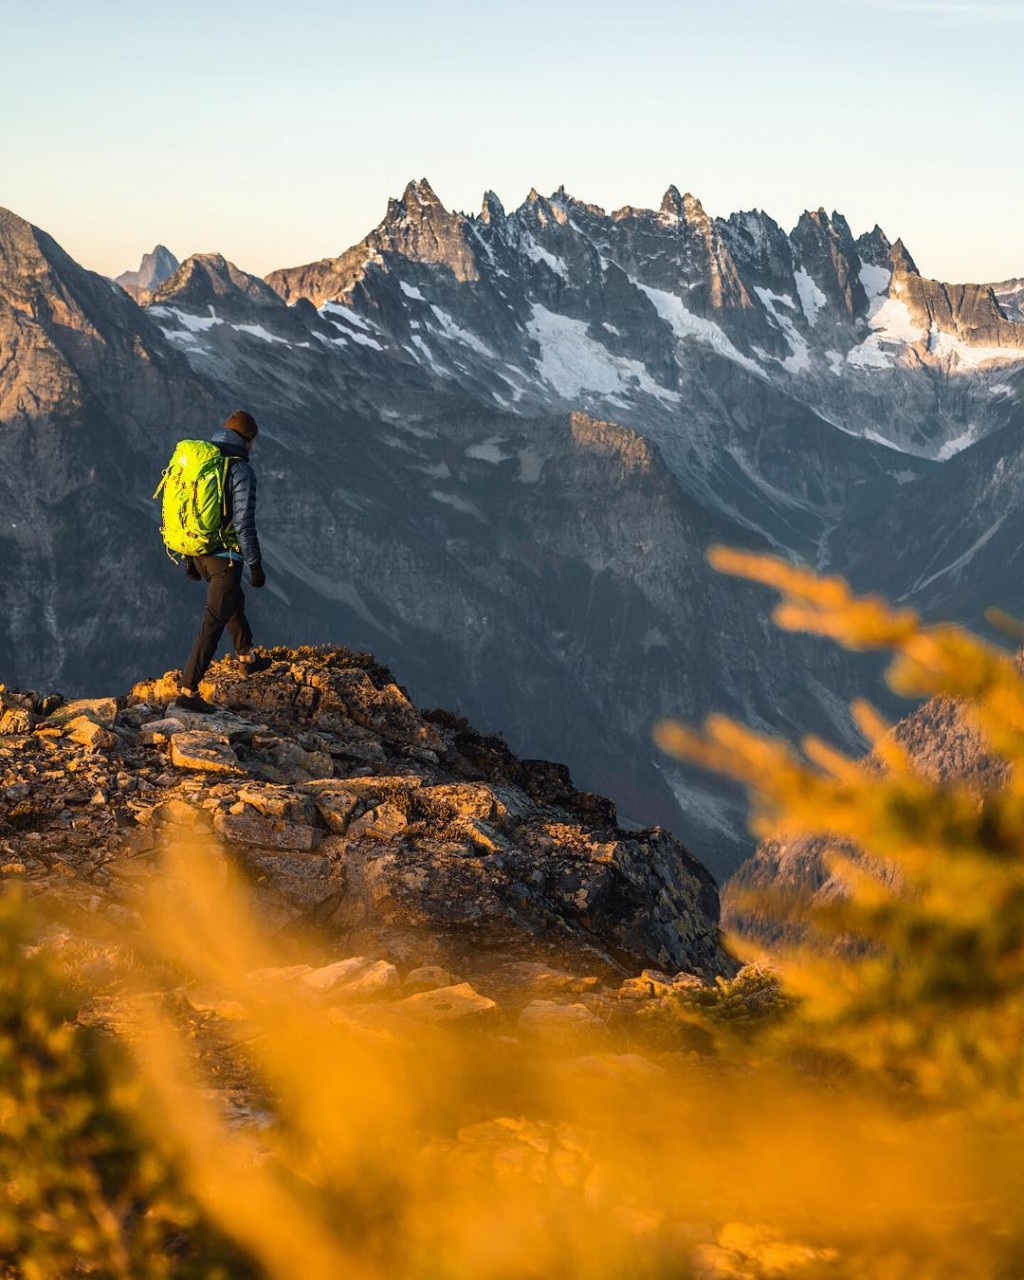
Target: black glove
[(256, 575), (191, 571)]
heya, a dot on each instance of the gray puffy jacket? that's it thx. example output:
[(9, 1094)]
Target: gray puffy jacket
[(241, 494)]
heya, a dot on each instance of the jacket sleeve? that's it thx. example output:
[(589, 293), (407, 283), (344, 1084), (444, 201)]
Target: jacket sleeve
[(242, 480)]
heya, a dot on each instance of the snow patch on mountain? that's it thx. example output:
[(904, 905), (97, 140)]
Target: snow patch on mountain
[(364, 340), (800, 359), (572, 362), (537, 253), (427, 354), (811, 297), (330, 309), (687, 325), (875, 280), (958, 445), (953, 568), (451, 330), (489, 451), (258, 331), (185, 320), (460, 504), (949, 346), (892, 329)]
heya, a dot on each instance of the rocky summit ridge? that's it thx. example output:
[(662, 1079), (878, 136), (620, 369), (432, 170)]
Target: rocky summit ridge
[(404, 836)]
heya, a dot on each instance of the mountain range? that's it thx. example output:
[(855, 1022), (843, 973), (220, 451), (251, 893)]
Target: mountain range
[(494, 449)]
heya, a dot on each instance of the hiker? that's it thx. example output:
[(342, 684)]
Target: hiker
[(223, 504)]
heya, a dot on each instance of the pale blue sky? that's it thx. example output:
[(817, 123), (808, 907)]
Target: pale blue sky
[(274, 132)]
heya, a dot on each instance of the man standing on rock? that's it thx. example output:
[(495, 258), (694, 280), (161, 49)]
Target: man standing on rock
[(222, 569)]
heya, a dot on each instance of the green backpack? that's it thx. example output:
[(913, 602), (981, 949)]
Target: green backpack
[(195, 511)]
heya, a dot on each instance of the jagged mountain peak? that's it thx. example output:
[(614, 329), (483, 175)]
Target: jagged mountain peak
[(758, 244), (418, 201), (420, 228), (21, 242), (818, 223), (209, 277), (902, 262), (492, 210), (421, 192), (693, 210), (156, 267), (542, 210), (875, 248), (671, 204)]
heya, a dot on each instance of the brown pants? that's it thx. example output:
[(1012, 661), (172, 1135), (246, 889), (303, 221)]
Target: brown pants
[(225, 607)]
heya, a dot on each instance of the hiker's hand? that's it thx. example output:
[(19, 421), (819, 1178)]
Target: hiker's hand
[(191, 571), (256, 575)]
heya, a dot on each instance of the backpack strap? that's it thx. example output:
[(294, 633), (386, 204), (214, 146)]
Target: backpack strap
[(224, 483)]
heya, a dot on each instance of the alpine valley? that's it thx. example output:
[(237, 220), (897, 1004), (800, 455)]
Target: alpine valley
[(494, 450)]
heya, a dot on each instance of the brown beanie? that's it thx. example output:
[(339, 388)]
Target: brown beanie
[(244, 423)]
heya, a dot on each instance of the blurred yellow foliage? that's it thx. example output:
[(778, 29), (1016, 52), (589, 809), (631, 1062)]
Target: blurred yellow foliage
[(933, 996), (398, 1149), (863, 1123)]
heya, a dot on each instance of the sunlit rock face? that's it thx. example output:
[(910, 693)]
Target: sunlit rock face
[(494, 449), (405, 834)]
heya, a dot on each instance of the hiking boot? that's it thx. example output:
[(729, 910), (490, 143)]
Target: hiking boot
[(252, 665), (193, 702)]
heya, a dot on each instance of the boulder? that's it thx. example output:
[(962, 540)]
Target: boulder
[(100, 710), (223, 723), (175, 812), (16, 720), (296, 877), (351, 693), (552, 1021), (447, 802), (281, 802), (250, 827), (428, 977), (354, 978), (89, 733), (382, 786), (334, 800), (382, 823), (352, 742), (205, 752), (447, 1004), (296, 765), (158, 732), (277, 975), (542, 980)]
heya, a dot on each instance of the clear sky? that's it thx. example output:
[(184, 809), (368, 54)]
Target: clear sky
[(273, 131)]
